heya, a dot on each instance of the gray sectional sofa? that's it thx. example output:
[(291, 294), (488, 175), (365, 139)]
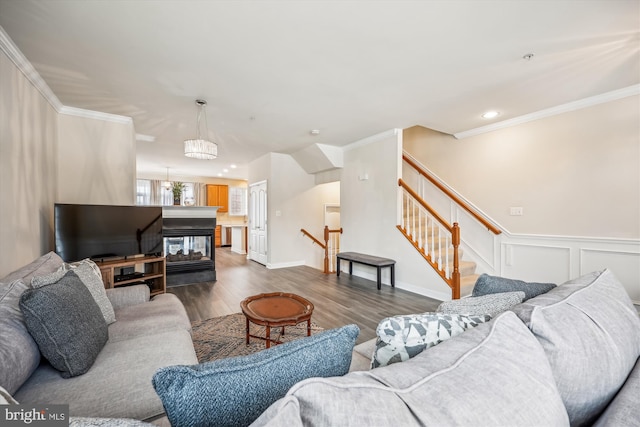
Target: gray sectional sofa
[(567, 357), (146, 336)]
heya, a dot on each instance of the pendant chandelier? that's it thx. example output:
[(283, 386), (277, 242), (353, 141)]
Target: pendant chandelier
[(200, 148)]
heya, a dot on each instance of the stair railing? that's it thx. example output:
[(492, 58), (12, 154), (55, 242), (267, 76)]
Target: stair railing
[(424, 174), (331, 246), (435, 239), (420, 221)]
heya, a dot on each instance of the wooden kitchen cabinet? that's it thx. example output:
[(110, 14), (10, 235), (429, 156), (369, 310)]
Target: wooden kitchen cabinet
[(218, 236), (218, 195)]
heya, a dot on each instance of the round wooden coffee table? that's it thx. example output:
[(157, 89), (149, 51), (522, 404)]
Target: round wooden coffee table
[(276, 309)]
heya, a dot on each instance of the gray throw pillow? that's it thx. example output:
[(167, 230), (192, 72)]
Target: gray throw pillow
[(492, 304), (90, 275), (47, 279), (19, 354), (486, 285), (66, 323), (403, 337), (235, 391)]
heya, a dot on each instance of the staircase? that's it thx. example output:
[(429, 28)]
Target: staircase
[(436, 239), (438, 247)]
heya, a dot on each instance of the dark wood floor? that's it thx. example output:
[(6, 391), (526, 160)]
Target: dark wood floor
[(338, 301)]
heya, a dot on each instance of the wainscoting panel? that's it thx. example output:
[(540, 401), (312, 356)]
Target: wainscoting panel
[(625, 265), (536, 263)]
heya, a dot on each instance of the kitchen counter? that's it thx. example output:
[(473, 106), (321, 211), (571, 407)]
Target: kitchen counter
[(238, 237)]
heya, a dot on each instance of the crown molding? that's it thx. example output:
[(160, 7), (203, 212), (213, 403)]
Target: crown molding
[(17, 57), (22, 63), (553, 111), (97, 115)]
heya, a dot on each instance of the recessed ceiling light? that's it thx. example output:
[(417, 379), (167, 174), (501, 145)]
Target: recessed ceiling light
[(225, 170), (490, 115), (315, 131), (232, 166), (219, 174)]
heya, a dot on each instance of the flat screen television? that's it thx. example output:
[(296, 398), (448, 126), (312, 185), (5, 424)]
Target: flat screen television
[(106, 231)]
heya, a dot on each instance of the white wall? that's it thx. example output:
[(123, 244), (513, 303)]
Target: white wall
[(368, 210), (28, 129), (294, 201), (575, 174), (47, 156), (96, 161)]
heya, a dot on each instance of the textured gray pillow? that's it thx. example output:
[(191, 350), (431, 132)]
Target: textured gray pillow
[(47, 279), (400, 338), (19, 354), (235, 391), (486, 285), (590, 332), (90, 275), (492, 304), (493, 375), (67, 324)]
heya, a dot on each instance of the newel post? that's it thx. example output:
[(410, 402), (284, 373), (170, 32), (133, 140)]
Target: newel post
[(455, 276)]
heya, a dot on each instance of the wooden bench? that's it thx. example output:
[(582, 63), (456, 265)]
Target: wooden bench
[(370, 260)]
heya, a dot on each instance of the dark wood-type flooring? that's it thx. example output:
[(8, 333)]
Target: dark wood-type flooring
[(338, 301)]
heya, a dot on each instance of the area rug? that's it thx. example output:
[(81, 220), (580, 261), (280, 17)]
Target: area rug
[(223, 337)]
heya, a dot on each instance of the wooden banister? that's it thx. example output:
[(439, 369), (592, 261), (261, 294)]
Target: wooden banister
[(324, 245), (451, 195), (316, 241)]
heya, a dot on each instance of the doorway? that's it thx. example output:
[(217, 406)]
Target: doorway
[(258, 222)]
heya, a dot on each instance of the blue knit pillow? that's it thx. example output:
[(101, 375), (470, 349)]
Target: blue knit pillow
[(235, 391)]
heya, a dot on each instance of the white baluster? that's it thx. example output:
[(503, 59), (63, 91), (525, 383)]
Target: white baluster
[(446, 256)]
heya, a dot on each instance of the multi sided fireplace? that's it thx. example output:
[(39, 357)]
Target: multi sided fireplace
[(188, 235)]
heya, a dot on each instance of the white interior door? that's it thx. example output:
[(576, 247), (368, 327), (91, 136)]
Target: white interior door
[(258, 222)]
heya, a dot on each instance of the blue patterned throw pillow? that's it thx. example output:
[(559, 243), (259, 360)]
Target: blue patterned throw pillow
[(235, 391), (402, 337)]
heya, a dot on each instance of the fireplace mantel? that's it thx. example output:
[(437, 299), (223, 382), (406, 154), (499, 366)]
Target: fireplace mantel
[(189, 211)]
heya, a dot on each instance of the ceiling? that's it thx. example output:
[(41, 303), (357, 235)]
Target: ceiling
[(271, 71)]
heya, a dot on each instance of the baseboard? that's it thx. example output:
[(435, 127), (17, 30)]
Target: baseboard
[(273, 266), (440, 296)]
